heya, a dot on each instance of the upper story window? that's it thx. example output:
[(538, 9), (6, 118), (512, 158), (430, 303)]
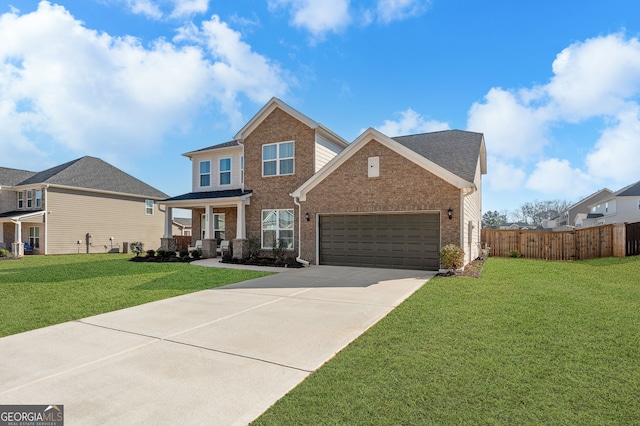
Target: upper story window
[(38, 198), (205, 173), (20, 200), (148, 206), (606, 207), (225, 171), (29, 198), (242, 169), (277, 159)]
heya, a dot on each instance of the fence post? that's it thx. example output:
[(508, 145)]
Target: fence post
[(620, 239)]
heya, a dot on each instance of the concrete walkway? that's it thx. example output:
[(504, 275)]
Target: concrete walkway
[(220, 356)]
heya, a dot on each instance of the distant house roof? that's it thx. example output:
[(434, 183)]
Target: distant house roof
[(183, 221), (594, 215), (90, 173), (632, 190), (12, 177), (455, 150)]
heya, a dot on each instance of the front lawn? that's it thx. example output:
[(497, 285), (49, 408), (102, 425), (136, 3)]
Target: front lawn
[(37, 291), (531, 342)]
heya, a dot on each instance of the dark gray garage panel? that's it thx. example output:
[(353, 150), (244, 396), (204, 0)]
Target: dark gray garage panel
[(381, 240)]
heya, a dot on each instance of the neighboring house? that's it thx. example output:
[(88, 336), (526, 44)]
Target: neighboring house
[(181, 226), (512, 226), (568, 217), (83, 206), (379, 201), (620, 207)]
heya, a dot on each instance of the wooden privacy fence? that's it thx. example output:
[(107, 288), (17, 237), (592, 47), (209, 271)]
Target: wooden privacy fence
[(182, 242), (579, 244)]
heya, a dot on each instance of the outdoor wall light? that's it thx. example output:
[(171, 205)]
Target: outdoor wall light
[(450, 214), (306, 216)]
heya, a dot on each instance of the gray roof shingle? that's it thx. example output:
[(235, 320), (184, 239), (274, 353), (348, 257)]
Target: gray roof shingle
[(92, 173), (210, 194), (632, 190), (218, 146), (13, 177), (455, 150)]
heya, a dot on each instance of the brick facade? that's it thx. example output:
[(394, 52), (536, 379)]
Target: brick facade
[(402, 186)]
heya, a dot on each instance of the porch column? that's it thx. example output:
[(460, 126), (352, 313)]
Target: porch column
[(208, 223), (17, 246), (241, 228), (18, 237), (168, 217), (1, 235)]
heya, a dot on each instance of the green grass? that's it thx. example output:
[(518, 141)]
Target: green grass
[(38, 291), (529, 343)]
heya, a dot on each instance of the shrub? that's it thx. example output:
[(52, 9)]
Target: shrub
[(151, 253), (253, 245), (279, 248), (226, 257), (514, 253), (451, 257), (196, 254), (184, 253), (5, 253), (136, 247)]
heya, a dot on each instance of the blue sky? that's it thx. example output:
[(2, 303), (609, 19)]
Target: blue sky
[(553, 85)]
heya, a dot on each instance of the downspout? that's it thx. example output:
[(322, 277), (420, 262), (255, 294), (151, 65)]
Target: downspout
[(299, 258), (46, 220), (242, 170)]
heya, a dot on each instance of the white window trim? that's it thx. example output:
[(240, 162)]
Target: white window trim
[(38, 198), (200, 174), (293, 227), (36, 236), (29, 198), (146, 207), (20, 200), (203, 224), (220, 171), (278, 159)]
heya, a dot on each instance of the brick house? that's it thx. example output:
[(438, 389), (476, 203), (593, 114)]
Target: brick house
[(378, 201)]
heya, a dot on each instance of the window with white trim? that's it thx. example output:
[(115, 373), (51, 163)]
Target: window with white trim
[(29, 198), (20, 200), (148, 206), (225, 171), (277, 159), (218, 226), (205, 173), (277, 225), (38, 198), (34, 236)]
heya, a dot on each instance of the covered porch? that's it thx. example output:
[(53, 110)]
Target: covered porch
[(22, 232), (216, 216)]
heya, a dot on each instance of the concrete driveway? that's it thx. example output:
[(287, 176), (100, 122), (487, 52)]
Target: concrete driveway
[(220, 356)]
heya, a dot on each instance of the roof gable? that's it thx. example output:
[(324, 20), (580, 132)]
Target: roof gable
[(224, 145), (632, 190), (400, 148), (94, 174), (274, 103)]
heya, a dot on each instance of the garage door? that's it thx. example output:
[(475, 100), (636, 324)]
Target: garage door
[(404, 241)]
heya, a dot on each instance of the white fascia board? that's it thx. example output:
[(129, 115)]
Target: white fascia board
[(201, 202), (332, 136), (483, 157), (192, 154), (367, 136), (100, 191), (268, 109), (22, 217)]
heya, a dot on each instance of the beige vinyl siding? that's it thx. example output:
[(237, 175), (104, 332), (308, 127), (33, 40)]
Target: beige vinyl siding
[(325, 151), (473, 219), (233, 153), (74, 214)]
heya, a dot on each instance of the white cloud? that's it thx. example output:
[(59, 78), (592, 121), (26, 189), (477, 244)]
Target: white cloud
[(410, 122), (617, 151), (189, 7), (557, 177), (145, 7), (319, 17), (595, 77), (63, 85), (512, 128), (504, 176), (397, 10)]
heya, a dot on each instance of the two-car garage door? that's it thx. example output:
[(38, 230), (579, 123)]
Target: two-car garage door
[(381, 240)]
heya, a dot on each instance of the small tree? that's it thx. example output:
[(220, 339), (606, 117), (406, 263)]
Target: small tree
[(279, 249), (451, 257), (253, 245), (136, 247)]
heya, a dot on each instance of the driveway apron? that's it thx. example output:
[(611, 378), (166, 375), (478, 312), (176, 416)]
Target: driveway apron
[(220, 356)]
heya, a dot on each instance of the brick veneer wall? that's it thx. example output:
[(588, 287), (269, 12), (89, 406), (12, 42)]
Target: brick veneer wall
[(230, 217), (402, 186), (273, 192)]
